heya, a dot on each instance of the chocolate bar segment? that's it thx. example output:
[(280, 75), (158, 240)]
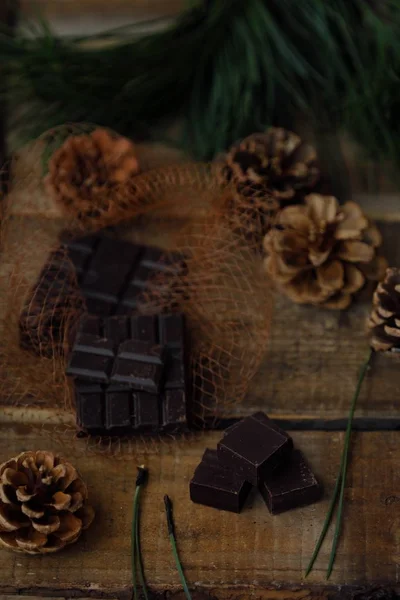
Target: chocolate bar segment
[(143, 384), (53, 301), (215, 485), (118, 410), (291, 486), (92, 358), (139, 365), (113, 274), (254, 449), (89, 402)]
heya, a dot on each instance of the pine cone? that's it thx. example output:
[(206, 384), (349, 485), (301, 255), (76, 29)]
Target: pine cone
[(322, 253), (277, 160), (384, 321), (85, 171), (43, 503)]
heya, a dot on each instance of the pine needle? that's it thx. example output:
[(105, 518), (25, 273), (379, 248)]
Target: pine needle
[(232, 68), (135, 536), (171, 532), (340, 481)]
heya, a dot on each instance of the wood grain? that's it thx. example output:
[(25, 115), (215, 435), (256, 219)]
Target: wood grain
[(219, 550)]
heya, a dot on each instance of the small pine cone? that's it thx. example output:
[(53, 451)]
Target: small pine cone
[(87, 170), (276, 159), (384, 321), (322, 253), (43, 503)]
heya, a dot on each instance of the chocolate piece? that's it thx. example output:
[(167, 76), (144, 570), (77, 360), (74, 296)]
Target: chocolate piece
[(254, 448), (92, 358), (118, 410), (147, 412), (89, 402), (53, 300), (174, 410), (215, 485), (110, 275), (171, 331), (139, 365), (262, 418), (143, 383), (113, 274), (291, 486)]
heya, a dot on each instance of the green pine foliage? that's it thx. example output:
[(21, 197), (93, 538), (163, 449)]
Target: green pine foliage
[(224, 69)]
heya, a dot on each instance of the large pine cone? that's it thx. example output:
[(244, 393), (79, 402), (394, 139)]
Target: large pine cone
[(322, 253), (85, 171), (276, 160), (384, 321), (43, 503)]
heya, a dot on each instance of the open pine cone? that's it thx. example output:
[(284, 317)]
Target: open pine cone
[(85, 171), (276, 160), (322, 253), (384, 321), (43, 503)]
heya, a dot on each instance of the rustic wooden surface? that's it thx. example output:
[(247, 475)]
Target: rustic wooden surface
[(221, 552)]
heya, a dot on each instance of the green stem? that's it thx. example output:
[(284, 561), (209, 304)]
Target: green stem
[(179, 567), (345, 461), (133, 541), (340, 480), (171, 532), (139, 551)]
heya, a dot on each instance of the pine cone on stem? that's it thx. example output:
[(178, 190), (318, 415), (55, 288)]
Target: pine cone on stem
[(87, 171), (384, 321), (322, 253), (276, 160), (43, 503)]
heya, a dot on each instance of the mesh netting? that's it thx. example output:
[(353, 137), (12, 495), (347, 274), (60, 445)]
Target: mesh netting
[(222, 291)]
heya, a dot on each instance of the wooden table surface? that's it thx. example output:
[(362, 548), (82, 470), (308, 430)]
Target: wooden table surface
[(306, 381)]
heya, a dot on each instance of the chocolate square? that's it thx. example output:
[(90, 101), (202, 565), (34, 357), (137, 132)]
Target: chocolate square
[(92, 358), (139, 365), (290, 486), (215, 485), (254, 448), (89, 402)]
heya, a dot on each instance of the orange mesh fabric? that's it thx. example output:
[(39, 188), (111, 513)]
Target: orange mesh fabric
[(223, 292)]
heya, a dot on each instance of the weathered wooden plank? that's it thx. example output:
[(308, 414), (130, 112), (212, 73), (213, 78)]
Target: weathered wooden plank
[(313, 358), (219, 550), (311, 363)]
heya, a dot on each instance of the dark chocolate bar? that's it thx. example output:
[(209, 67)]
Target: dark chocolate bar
[(53, 301), (291, 486), (215, 485), (140, 374), (113, 274), (106, 274), (254, 448)]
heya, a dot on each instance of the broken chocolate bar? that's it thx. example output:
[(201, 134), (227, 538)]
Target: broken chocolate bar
[(106, 274), (52, 302), (291, 486), (215, 485), (130, 374), (254, 448), (113, 274)]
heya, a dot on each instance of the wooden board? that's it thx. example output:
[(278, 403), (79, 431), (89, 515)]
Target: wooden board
[(219, 550)]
